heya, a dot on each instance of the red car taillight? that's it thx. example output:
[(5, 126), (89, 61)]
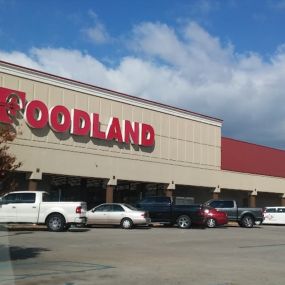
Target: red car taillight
[(145, 215), (78, 210), (263, 211)]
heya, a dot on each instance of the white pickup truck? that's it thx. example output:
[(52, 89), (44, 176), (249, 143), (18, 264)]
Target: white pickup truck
[(34, 207)]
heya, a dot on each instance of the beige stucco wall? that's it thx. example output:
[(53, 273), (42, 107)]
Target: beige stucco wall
[(251, 182), (183, 145), (187, 148)]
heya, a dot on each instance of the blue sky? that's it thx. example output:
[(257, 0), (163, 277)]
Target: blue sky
[(221, 58)]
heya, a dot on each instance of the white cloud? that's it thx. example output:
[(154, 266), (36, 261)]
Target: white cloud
[(203, 7), (190, 69), (97, 33), (278, 4), (20, 58), (193, 53)]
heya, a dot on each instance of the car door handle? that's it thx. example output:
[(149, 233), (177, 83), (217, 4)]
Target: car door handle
[(14, 207), (34, 207)]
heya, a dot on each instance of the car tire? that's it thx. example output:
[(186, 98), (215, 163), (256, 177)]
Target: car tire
[(211, 223), (247, 221), (184, 222), (56, 223), (127, 223)]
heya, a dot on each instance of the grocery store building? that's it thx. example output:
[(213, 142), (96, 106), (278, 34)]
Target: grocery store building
[(79, 141)]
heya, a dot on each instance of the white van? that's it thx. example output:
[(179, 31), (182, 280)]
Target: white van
[(274, 215)]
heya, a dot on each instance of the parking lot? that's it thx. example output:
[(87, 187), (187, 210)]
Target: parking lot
[(159, 255)]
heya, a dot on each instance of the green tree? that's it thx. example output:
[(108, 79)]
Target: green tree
[(8, 162)]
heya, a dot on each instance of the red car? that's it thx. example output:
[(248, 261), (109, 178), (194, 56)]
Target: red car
[(215, 218)]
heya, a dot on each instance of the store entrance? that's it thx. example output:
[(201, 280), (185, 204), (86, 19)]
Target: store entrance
[(131, 192), (74, 188)]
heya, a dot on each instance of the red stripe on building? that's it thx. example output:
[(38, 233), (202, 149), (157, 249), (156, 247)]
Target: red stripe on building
[(246, 157)]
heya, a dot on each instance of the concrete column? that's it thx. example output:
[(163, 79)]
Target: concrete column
[(33, 184), (33, 178), (110, 194), (168, 192), (110, 189), (283, 200), (168, 189), (216, 196), (252, 199), (216, 193)]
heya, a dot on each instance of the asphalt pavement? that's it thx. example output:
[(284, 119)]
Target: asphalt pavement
[(160, 255)]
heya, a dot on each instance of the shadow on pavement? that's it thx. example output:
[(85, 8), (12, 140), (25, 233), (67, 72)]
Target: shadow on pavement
[(9, 253), (236, 225), (78, 229), (19, 227), (118, 227)]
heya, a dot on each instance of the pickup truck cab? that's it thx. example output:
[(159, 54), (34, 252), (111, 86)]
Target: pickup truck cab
[(246, 217), (164, 210), (35, 207)]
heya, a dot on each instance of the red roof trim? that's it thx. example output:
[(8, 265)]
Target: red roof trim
[(250, 143), (245, 157)]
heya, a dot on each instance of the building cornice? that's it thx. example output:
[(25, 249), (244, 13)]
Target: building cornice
[(77, 86)]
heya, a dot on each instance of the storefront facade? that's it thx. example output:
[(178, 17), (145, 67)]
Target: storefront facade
[(75, 138)]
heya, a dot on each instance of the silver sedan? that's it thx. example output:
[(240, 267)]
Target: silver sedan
[(124, 215)]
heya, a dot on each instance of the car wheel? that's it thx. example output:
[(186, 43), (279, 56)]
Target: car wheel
[(211, 223), (56, 223), (184, 222), (126, 223), (247, 221)]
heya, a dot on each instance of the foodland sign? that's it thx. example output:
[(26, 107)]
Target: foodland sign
[(77, 122)]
